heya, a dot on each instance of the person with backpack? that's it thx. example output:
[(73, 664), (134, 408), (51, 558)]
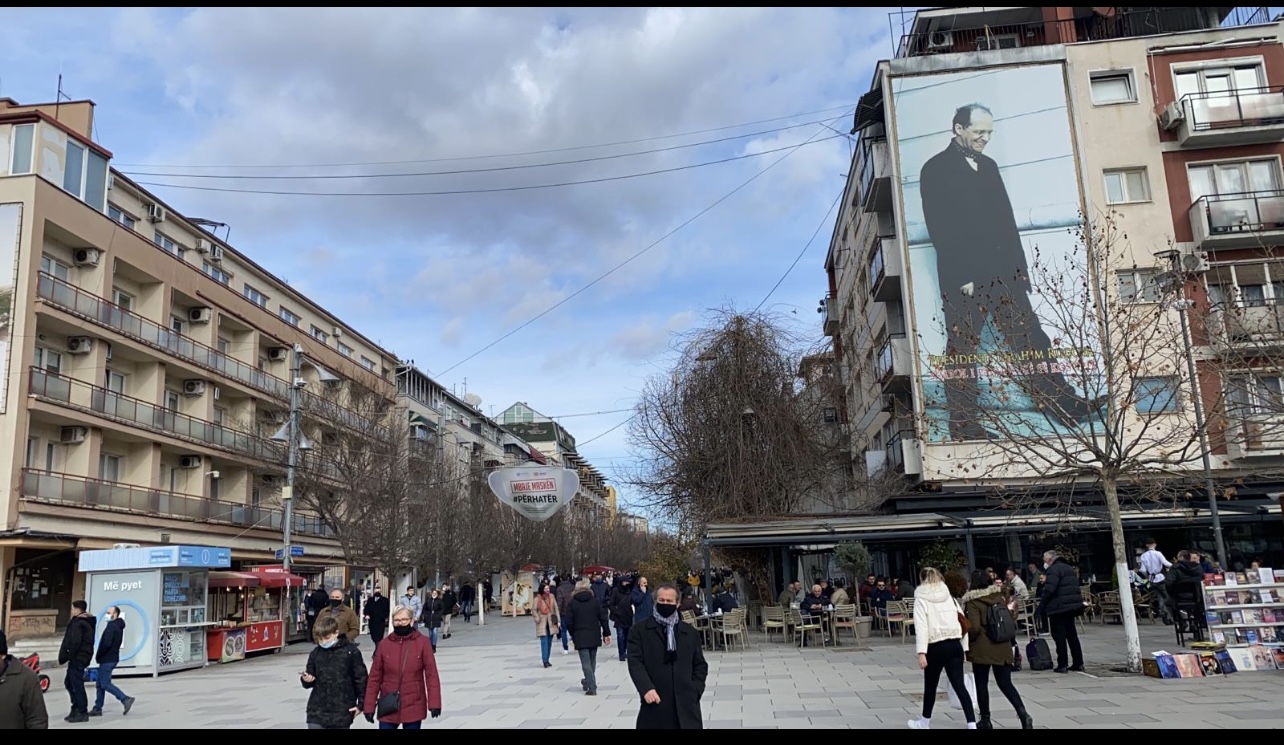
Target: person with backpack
[(336, 676), (991, 631)]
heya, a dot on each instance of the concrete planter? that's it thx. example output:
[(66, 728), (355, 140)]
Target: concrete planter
[(864, 625)]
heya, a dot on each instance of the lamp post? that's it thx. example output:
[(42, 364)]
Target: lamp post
[(1182, 306), (296, 442)]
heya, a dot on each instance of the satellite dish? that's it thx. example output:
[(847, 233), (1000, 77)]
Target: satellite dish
[(473, 400)]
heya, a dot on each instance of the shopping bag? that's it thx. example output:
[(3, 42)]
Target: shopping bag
[(969, 682)]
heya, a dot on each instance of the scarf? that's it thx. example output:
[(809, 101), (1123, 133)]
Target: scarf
[(669, 625), (545, 605), (969, 154)]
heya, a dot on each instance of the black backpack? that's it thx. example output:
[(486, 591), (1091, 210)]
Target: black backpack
[(999, 626)]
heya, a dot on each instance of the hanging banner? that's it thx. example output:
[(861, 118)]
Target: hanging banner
[(536, 493)]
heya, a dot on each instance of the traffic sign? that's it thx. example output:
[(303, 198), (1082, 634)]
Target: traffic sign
[(295, 551)]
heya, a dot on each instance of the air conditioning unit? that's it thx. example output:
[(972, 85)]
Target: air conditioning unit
[(1171, 117), (73, 435), (200, 315), (79, 345), (155, 213), (86, 256), (338, 332), (216, 253), (1194, 263), (189, 461), (940, 40), (193, 387), (202, 245), (279, 354)]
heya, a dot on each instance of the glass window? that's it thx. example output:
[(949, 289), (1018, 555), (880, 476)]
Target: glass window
[(109, 467), (319, 335), (289, 316), (254, 296), (119, 216), (216, 273), (55, 268), (96, 181), (166, 243), (24, 137), (345, 350), (73, 177), (1139, 286), (1157, 395), (48, 360), (33, 452), (123, 299), (1126, 186), (1112, 87), (367, 363)]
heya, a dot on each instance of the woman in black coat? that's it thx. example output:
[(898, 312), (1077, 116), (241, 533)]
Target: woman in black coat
[(433, 613), (669, 676)]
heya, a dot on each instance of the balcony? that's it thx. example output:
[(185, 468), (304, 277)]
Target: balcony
[(1252, 219), (876, 177), (1227, 118), (893, 365), (1251, 328), (829, 314), (904, 455), (87, 398), (59, 488), (1250, 436), (885, 271)]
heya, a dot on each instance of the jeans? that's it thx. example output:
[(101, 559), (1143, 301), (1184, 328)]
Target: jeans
[(1166, 607), (566, 638), (622, 640), (105, 686), (545, 647), (948, 656), (432, 636), (588, 664), (75, 685), (1064, 633), (466, 608), (406, 725), (1002, 677)]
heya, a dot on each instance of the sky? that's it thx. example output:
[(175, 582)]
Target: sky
[(250, 116)]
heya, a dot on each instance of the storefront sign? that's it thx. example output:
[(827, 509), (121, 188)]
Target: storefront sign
[(535, 493)]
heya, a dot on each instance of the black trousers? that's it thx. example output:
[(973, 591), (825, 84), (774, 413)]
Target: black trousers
[(1002, 677), (376, 629), (1065, 634), (946, 656), (75, 684)]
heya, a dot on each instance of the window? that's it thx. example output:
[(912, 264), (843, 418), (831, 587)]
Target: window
[(116, 214), (220, 415), (172, 400), (1212, 80), (115, 382), (51, 456), (48, 360), (222, 345), (1139, 286), (254, 296), (167, 244), (1111, 87), (109, 467), (24, 138), (367, 363), (319, 335), (288, 315), (217, 274), (1157, 395), (33, 452), (176, 325), (214, 488), (1249, 395), (1233, 177), (121, 298), (54, 267), (345, 350), (73, 177), (1127, 186)]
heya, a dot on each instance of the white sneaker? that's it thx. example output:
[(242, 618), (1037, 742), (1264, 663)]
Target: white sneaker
[(920, 723), (566, 651)]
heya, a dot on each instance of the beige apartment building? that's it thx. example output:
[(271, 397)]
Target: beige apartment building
[(147, 368)]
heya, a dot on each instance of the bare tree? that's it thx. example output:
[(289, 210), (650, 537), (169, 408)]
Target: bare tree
[(1091, 390)]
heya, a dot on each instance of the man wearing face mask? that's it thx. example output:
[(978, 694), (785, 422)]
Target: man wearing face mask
[(108, 658), (667, 666), (377, 610), (345, 616)]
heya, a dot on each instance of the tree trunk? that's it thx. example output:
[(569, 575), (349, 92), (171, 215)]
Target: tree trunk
[(1132, 637)]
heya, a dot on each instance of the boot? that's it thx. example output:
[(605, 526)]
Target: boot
[(984, 723), (1027, 721)]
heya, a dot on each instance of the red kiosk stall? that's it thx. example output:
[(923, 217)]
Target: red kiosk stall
[(247, 608)]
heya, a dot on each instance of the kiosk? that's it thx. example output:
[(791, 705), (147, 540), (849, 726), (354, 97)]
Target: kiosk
[(246, 610), (162, 595)]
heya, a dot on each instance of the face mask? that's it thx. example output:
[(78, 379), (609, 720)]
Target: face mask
[(378, 594), (402, 630), (329, 644), (666, 610), (335, 603)]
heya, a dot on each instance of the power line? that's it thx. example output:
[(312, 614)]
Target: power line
[(601, 180), (637, 255), (493, 169), (591, 413), (500, 155), (604, 434), (801, 253)]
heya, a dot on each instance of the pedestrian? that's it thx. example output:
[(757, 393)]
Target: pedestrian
[(430, 617), (622, 614), (349, 624), (1152, 565), (449, 602), (403, 688), (108, 658), (336, 675), (548, 619), (413, 602), (990, 649), (940, 643), (76, 652), (667, 666), (643, 603), (1062, 603), (565, 589), (467, 596), (590, 629), (315, 602), (22, 703), (377, 611)]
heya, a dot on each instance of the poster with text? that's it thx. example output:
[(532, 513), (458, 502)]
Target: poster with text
[(10, 238), (988, 181)]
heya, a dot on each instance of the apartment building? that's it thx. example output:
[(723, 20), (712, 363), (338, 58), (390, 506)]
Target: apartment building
[(635, 523), (148, 368)]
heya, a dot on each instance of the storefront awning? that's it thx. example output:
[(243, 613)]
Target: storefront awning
[(223, 580), (279, 579)]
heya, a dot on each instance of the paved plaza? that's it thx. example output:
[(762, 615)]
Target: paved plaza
[(491, 678)]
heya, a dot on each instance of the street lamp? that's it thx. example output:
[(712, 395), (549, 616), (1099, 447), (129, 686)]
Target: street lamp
[(291, 434), (1177, 276)]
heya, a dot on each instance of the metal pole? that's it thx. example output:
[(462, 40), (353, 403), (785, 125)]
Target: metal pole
[(1197, 398), (971, 550), (436, 500), (292, 458)]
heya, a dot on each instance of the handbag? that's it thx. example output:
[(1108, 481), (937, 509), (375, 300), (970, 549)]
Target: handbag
[(963, 622), (390, 703)]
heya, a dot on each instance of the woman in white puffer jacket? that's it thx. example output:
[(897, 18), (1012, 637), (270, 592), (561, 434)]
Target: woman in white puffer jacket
[(941, 645)]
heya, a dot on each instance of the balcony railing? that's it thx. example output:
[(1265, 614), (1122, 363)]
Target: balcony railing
[(90, 398), (896, 451), (1236, 220), (1257, 325), (1240, 108), (64, 489)]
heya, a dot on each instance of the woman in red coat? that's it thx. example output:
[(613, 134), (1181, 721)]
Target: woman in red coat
[(403, 664)]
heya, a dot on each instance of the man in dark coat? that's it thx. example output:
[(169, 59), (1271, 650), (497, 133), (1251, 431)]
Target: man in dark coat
[(982, 271), (1062, 603), (76, 652), (108, 658), (377, 611), (315, 602), (467, 596), (590, 629), (1186, 593), (621, 609), (565, 589), (667, 665)]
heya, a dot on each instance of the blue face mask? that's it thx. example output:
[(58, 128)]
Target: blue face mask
[(329, 644)]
